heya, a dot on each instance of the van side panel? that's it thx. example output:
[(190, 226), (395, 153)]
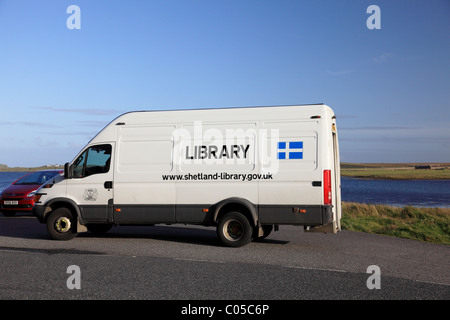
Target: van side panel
[(211, 161), (144, 152)]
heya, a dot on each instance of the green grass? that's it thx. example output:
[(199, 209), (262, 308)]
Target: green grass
[(424, 224)]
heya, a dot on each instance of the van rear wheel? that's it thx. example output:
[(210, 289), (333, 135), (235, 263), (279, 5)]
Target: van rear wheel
[(61, 225), (234, 230)]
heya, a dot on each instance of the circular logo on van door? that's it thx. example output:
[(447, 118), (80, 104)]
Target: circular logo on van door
[(90, 194)]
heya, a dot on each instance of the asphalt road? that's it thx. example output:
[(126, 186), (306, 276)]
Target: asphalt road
[(186, 262)]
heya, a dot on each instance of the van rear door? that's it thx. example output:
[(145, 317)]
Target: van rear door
[(331, 186), (336, 186)]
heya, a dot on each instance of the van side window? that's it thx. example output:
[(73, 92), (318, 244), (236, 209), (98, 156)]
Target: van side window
[(94, 160)]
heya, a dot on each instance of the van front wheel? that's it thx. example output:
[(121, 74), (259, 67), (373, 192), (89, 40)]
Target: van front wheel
[(234, 230), (61, 225)]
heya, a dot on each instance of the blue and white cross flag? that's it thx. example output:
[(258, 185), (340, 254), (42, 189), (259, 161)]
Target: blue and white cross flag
[(290, 150)]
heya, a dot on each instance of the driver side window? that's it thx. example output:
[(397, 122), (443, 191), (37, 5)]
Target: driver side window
[(94, 160)]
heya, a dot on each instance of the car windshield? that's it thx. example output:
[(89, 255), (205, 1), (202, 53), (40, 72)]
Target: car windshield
[(37, 178)]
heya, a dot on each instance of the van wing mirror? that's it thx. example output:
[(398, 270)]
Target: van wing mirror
[(67, 171)]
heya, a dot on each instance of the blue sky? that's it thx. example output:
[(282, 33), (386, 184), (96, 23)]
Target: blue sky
[(389, 87)]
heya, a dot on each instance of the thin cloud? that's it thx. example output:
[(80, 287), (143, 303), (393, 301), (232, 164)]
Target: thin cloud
[(347, 116), (28, 124), (411, 58), (380, 128), (415, 140), (95, 124), (385, 57), (340, 73), (101, 112), (72, 133)]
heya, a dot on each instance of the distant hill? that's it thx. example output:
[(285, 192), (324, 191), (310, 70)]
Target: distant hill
[(412, 165), (5, 168)]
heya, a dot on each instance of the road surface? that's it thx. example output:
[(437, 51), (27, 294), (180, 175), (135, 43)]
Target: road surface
[(186, 262)]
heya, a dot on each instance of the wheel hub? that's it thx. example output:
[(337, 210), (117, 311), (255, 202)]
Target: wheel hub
[(233, 230), (62, 224)]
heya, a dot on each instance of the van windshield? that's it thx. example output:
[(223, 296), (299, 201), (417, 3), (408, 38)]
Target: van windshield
[(37, 178)]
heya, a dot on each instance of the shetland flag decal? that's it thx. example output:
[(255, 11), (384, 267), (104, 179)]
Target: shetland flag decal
[(290, 150)]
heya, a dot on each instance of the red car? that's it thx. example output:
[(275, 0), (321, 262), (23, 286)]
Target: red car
[(19, 196)]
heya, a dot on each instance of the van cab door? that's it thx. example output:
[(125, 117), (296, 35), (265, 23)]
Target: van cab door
[(91, 184)]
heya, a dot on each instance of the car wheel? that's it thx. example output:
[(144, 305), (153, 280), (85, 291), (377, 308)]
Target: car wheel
[(61, 225)]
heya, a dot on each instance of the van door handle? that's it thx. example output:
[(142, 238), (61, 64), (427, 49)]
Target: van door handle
[(108, 184)]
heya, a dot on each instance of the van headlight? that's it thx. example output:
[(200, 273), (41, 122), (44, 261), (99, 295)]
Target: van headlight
[(31, 194)]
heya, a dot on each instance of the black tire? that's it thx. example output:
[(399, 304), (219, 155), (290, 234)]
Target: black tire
[(234, 230), (267, 229), (99, 228), (61, 224)]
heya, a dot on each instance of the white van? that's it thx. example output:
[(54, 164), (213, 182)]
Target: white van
[(243, 170)]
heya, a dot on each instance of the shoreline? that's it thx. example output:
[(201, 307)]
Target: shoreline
[(29, 169), (370, 171), (393, 178), (396, 171)]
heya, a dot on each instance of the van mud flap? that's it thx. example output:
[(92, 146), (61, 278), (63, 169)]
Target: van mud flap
[(329, 224)]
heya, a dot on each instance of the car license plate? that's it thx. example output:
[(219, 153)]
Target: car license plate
[(11, 203)]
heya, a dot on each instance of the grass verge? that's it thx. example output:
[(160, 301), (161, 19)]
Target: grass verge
[(424, 224)]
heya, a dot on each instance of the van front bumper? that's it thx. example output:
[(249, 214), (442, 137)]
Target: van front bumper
[(39, 212)]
